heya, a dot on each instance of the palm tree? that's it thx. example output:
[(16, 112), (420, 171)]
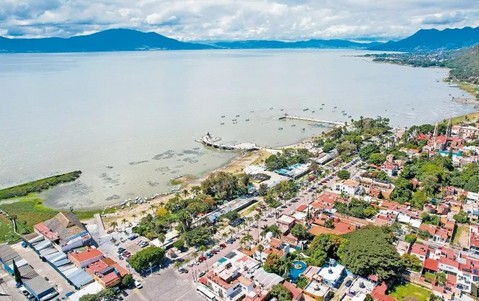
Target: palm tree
[(114, 225), (152, 208), (249, 220), (124, 221), (185, 192), (287, 265), (134, 216)]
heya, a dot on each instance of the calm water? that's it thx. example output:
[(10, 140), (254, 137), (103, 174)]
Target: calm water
[(129, 120)]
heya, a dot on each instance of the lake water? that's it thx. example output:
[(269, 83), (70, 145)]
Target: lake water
[(129, 120)]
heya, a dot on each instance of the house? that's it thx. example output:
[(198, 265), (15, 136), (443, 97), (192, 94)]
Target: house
[(106, 271), (84, 258), (474, 239), (349, 187), (285, 223), (296, 293), (420, 251), (391, 169), (431, 265), (229, 278), (332, 273), (358, 290), (64, 230)]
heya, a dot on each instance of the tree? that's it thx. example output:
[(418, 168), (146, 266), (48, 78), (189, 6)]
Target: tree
[(410, 238), (376, 158), (461, 217), (161, 212), (412, 262), (367, 150), (368, 298), (142, 259), (329, 223), (273, 264), (369, 251), (302, 282), (419, 199), (343, 174), (281, 293), (300, 232), (441, 278), (324, 246), (199, 236), (16, 272), (114, 225), (179, 244), (263, 189), (274, 229), (127, 281)]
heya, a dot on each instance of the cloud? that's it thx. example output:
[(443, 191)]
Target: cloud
[(237, 19)]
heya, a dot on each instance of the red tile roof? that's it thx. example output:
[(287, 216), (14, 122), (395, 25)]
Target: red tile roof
[(85, 255), (419, 249), (302, 207), (296, 292), (431, 264)]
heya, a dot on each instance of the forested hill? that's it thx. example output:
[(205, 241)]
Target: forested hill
[(108, 40), (464, 65), (433, 40)]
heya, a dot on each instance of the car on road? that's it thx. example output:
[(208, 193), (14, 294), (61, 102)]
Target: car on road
[(201, 274), (348, 283), (183, 271)]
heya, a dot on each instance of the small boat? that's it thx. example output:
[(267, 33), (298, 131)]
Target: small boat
[(320, 108), (237, 115), (345, 114), (246, 120), (223, 116), (251, 111), (313, 111), (304, 129), (222, 123), (271, 108), (335, 107), (350, 116), (305, 109), (322, 104), (282, 110), (280, 129), (293, 125)]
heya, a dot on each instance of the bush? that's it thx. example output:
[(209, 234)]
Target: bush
[(343, 174), (410, 238), (127, 281), (461, 217)]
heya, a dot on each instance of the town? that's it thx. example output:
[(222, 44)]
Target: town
[(363, 212)]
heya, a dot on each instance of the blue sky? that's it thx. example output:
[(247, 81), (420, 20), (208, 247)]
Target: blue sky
[(237, 19)]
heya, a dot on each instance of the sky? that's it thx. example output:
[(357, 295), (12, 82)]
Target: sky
[(200, 20)]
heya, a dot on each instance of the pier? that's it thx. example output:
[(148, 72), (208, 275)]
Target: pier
[(210, 140), (315, 120)]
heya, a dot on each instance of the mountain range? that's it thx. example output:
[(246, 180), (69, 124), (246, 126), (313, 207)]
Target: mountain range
[(132, 40)]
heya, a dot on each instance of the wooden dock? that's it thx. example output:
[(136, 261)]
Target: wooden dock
[(315, 120), (212, 141)]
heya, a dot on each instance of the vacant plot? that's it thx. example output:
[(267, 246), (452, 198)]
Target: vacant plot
[(461, 236), (404, 291)]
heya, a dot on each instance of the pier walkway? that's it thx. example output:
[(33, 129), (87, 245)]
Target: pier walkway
[(210, 140), (335, 123)]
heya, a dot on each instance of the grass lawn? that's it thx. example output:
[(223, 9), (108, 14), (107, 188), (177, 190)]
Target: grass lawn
[(29, 211), (401, 292), (6, 231), (248, 209)]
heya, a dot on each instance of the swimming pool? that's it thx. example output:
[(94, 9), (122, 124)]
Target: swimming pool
[(298, 268)]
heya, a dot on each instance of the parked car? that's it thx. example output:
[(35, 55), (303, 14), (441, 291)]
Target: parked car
[(183, 271), (133, 236), (124, 293), (214, 252), (201, 258), (121, 250), (230, 241), (348, 283), (201, 274), (222, 246), (209, 255)]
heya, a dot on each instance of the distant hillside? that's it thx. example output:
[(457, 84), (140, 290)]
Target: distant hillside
[(464, 65), (433, 39), (108, 40), (268, 44)]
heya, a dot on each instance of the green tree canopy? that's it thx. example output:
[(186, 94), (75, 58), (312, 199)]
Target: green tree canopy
[(300, 232), (343, 174), (273, 264), (281, 293), (368, 251), (142, 259), (324, 246), (199, 236)]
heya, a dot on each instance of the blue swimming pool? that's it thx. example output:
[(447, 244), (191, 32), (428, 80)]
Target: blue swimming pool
[(298, 268), (222, 259)]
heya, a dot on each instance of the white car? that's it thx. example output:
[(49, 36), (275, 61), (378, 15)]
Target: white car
[(138, 284)]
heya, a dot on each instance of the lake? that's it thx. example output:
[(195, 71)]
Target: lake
[(129, 120)]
